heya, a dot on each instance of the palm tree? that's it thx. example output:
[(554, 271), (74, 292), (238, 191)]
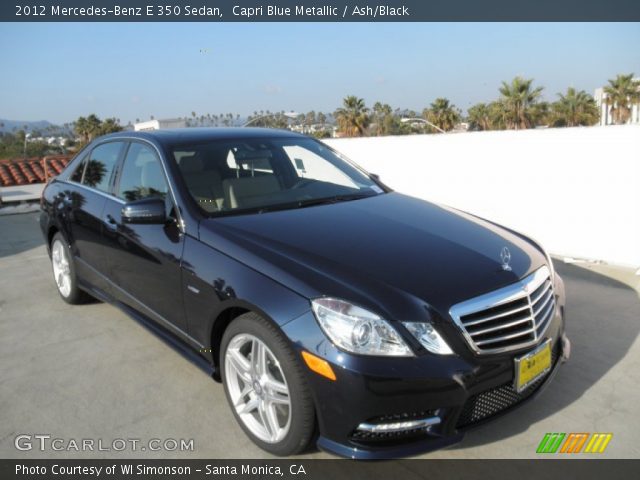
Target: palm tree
[(110, 125), (621, 93), (518, 99), (81, 128), (479, 117), (385, 121), (574, 109), (443, 114), (353, 117), (498, 113), (310, 118)]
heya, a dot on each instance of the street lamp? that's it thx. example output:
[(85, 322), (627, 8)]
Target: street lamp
[(24, 153), (291, 115), (422, 120)]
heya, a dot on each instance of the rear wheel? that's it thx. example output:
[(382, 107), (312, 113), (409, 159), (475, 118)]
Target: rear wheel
[(64, 272), (265, 386)]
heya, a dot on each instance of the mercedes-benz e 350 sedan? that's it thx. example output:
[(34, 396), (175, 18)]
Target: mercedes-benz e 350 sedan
[(332, 309)]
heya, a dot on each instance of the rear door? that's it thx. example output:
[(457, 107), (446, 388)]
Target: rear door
[(84, 199), (144, 260)]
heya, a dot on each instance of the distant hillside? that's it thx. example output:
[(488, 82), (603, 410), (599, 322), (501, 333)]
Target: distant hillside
[(43, 126)]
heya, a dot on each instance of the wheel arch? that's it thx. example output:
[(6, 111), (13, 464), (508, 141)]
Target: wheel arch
[(222, 319), (51, 232)]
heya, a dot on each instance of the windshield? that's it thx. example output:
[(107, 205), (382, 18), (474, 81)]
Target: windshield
[(245, 175)]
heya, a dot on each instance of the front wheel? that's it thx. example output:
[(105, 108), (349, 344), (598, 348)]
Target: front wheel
[(265, 386)]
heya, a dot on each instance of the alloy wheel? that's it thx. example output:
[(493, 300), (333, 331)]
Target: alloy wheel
[(61, 268), (258, 388)]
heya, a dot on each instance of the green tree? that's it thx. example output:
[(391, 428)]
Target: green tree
[(573, 109), (88, 128), (621, 93), (443, 114), (384, 119), (479, 117), (310, 118), (353, 117), (519, 99), (110, 125)]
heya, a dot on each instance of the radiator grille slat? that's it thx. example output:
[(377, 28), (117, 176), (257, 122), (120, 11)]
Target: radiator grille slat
[(502, 326), (509, 318), (504, 337), (496, 316)]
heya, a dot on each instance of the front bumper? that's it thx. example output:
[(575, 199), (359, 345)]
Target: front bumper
[(460, 391)]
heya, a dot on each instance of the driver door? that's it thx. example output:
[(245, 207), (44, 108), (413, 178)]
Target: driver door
[(144, 261)]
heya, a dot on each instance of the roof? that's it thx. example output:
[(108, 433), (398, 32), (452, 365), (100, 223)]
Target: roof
[(186, 135), (31, 170)]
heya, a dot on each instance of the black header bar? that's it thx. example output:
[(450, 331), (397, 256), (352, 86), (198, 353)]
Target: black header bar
[(301, 469), (319, 11)]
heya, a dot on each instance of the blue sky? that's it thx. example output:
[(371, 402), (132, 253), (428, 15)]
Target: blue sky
[(59, 71)]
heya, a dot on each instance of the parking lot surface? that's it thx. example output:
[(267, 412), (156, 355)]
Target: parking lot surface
[(91, 372)]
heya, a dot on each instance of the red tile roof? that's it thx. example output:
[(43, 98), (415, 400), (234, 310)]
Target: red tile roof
[(31, 170)]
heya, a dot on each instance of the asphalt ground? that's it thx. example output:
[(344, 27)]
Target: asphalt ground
[(91, 372)]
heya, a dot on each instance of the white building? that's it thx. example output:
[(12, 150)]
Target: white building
[(160, 124), (605, 110)]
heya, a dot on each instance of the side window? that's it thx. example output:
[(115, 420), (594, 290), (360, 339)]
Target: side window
[(76, 175), (101, 165), (142, 175)]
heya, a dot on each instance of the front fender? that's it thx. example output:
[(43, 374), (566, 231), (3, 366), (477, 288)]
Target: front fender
[(214, 282)]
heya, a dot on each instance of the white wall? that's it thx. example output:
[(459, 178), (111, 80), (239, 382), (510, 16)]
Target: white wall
[(576, 190)]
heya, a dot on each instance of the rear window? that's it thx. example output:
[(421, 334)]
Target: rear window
[(101, 165), (78, 171)]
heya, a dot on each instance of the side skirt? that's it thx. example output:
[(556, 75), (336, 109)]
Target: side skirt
[(184, 348)]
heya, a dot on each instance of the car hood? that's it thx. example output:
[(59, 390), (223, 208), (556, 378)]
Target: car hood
[(384, 252)]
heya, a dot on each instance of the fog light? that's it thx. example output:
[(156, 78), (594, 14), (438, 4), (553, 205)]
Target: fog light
[(398, 426)]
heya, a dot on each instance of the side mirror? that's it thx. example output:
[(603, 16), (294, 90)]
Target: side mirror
[(145, 211)]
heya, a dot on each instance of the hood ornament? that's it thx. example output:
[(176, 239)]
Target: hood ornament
[(505, 256)]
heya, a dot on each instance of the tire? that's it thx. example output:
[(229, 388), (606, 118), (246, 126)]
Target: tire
[(64, 272), (283, 368)]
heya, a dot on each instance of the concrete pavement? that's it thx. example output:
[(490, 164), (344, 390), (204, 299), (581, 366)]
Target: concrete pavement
[(92, 372)]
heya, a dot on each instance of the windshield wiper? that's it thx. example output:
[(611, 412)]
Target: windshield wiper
[(334, 199), (297, 204)]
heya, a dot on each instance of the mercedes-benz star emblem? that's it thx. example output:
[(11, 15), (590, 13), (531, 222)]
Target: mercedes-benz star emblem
[(505, 256)]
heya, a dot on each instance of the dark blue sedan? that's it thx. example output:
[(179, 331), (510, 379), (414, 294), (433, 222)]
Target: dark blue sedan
[(333, 309)]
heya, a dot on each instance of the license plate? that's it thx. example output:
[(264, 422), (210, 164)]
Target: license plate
[(533, 365)]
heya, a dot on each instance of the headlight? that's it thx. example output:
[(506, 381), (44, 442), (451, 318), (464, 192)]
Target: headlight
[(357, 330), (428, 337), (552, 270)]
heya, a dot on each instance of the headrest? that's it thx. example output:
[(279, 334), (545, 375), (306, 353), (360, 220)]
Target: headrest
[(192, 164)]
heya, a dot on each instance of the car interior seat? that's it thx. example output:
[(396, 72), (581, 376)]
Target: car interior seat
[(246, 191), (205, 185)]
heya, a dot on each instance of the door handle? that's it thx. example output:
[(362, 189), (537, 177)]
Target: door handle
[(110, 222)]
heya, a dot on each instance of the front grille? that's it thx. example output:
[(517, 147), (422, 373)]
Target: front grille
[(496, 400), (509, 318)]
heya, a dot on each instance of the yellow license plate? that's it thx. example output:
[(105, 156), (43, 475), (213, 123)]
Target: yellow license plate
[(533, 365)]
